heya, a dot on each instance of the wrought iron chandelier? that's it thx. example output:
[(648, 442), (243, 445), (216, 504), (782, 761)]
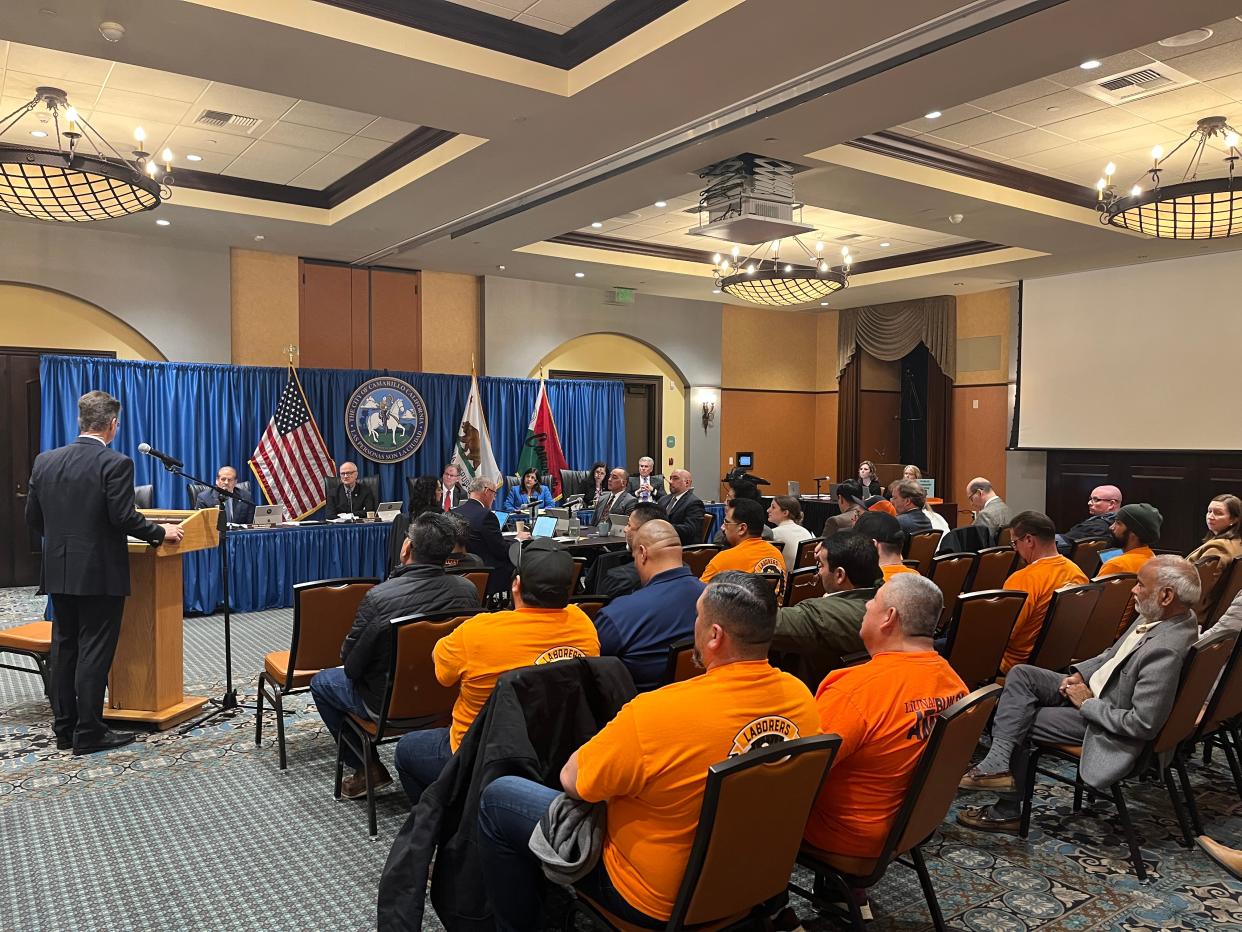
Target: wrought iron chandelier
[(68, 185), (762, 277), (1194, 208)]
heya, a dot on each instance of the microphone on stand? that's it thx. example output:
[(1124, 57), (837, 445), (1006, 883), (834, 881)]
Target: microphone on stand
[(170, 462)]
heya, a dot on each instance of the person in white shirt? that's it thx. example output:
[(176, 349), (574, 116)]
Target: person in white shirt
[(786, 514), (645, 487)]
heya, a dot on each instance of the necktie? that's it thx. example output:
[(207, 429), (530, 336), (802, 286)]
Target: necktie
[(448, 499), (607, 508)]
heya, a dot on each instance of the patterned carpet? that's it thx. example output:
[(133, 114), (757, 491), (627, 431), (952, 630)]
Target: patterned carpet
[(202, 831)]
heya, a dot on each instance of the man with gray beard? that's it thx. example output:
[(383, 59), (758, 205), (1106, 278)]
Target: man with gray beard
[(1111, 705)]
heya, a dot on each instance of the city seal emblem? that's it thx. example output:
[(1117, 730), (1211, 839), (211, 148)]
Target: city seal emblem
[(386, 419)]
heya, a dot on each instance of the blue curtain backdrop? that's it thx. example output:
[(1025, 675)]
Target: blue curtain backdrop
[(208, 415)]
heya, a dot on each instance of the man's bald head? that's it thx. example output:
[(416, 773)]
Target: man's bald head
[(1105, 499), (680, 480), (656, 548)]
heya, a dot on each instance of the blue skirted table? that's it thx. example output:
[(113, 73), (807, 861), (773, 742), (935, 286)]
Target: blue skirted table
[(264, 563)]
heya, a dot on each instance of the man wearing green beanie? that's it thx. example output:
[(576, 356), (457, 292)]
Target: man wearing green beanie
[(1135, 529)]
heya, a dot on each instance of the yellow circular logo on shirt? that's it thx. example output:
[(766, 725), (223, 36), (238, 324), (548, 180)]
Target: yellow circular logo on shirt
[(770, 563), (762, 732), (559, 653)]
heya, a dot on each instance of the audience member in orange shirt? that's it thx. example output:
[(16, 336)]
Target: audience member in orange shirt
[(1134, 530), (1035, 540), (747, 550), (885, 530)]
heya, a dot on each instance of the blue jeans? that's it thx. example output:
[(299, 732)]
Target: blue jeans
[(335, 697), (420, 757), (509, 810)]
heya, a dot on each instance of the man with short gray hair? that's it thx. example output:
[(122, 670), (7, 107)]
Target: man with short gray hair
[(990, 509), (1110, 705), (646, 487), (884, 710), (486, 541)]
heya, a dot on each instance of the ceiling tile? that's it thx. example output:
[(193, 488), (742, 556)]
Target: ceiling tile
[(387, 130), (1230, 85), (260, 171), (1108, 120), (213, 162), (950, 117), (327, 170), (243, 101), (270, 153), (204, 141), (1140, 137), (1205, 64), (1068, 155), (1197, 97), (982, 129), (942, 142), (156, 83), (546, 25), (567, 12), (506, 9), (140, 107), (57, 64), (359, 147), (119, 131), (1055, 107), (22, 85), (321, 116), (1017, 95), (1222, 32), (304, 137), (1023, 144)]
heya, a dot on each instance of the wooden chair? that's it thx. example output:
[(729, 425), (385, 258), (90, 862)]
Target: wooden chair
[(413, 697), (950, 572), (1203, 664), (1228, 589), (978, 633), (33, 640), (996, 564), (911, 565), (579, 567), (708, 520), (776, 579), (930, 793), (681, 665), (802, 584), (1085, 554), (478, 576), (1211, 580), (697, 556), (806, 553), (323, 613), (1222, 718), (1063, 625), (734, 869), (1112, 615), (590, 604), (921, 548)]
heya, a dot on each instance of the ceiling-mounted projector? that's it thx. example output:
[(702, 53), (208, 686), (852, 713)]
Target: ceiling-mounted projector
[(749, 199)]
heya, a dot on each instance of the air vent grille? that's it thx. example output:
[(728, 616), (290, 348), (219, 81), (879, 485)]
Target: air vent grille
[(1136, 84), (218, 119)]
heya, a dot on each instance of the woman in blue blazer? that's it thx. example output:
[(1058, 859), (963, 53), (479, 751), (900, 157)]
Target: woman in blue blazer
[(530, 490)]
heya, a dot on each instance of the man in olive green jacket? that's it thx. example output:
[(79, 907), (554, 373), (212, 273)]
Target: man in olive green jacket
[(812, 636)]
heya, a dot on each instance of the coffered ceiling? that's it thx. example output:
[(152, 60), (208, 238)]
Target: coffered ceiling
[(555, 16)]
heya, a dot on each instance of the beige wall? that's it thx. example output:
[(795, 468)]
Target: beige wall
[(769, 349), (264, 295), (452, 310), (983, 336), (32, 316)]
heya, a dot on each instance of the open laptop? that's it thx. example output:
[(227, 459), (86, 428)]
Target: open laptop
[(1106, 555), (268, 515), (545, 526), (388, 510)]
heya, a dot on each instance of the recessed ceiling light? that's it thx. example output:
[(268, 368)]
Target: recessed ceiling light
[(595, 224), (661, 203), (38, 134), (1089, 65), (579, 274), (715, 291), (823, 303), (191, 157), (1192, 37), (259, 237), (932, 115), (500, 268), (162, 222), (885, 245)]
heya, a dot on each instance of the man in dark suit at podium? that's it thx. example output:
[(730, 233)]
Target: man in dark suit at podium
[(351, 497), (486, 541), (235, 510), (684, 509), (81, 502)]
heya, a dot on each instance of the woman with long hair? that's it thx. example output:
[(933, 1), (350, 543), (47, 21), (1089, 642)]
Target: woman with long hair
[(426, 495), (596, 483), (1224, 530), (530, 489), (867, 479)]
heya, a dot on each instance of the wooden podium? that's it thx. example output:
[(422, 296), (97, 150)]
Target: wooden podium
[(146, 683)]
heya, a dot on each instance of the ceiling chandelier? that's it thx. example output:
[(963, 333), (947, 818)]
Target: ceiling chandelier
[(1194, 208), (68, 185), (762, 277)]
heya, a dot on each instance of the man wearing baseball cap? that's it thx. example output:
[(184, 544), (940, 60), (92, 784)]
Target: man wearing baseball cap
[(542, 627), (889, 538), (1135, 529)]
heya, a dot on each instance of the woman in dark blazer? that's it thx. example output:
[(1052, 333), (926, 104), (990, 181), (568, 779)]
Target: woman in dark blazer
[(596, 482)]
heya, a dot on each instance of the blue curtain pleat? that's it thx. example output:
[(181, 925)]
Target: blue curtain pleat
[(209, 414)]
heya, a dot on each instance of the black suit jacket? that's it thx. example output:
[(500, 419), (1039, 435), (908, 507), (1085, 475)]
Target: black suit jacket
[(243, 512), (81, 503), (363, 501), (657, 487), (687, 517), (486, 541)]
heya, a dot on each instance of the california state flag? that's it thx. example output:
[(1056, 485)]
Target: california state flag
[(472, 448), (542, 449)]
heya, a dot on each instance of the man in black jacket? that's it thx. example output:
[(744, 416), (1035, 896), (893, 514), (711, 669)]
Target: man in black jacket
[(351, 497), (418, 585), (486, 541), (683, 507), (81, 502), (1102, 508), (621, 578)]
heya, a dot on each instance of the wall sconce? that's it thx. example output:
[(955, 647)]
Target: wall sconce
[(707, 401)]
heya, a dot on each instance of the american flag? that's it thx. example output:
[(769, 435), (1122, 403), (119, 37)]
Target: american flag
[(291, 459)]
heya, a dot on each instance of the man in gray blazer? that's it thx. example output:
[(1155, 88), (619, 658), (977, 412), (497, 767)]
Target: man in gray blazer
[(616, 501), (1111, 705)]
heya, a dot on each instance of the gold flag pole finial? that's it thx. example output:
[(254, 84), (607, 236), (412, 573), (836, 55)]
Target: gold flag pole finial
[(291, 351)]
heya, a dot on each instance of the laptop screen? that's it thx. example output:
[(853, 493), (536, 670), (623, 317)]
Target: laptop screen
[(545, 526), (1106, 555), (502, 517)]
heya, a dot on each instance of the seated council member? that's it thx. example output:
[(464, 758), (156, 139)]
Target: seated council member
[(529, 491), (650, 765), (418, 585), (595, 484), (542, 627), (427, 495), (684, 509), (236, 511), (645, 487), (639, 627), (616, 500), (351, 497)]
